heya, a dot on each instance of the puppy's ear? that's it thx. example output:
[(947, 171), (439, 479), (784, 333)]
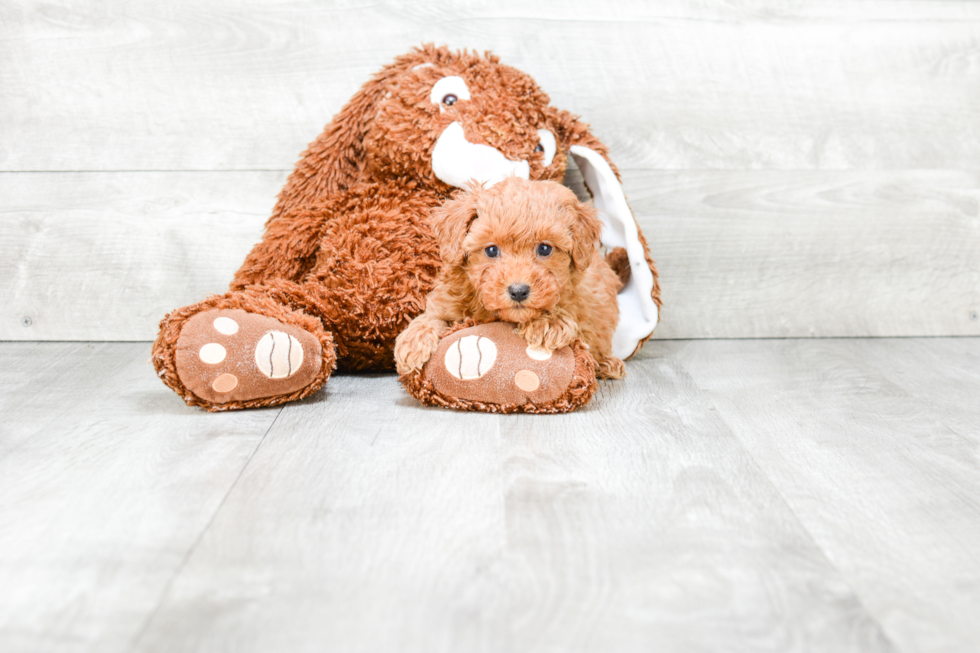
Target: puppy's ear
[(586, 231), (450, 224)]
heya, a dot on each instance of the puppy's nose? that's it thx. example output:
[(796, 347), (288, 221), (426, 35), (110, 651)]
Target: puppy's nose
[(518, 291)]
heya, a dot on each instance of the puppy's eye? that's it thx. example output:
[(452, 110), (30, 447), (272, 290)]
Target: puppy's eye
[(491, 251), (449, 100), (544, 249), (539, 148)]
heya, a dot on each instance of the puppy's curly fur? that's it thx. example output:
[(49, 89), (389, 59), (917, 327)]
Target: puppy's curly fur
[(522, 252)]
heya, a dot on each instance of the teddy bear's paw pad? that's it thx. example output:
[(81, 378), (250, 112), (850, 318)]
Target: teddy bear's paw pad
[(226, 355), (470, 357), (489, 367)]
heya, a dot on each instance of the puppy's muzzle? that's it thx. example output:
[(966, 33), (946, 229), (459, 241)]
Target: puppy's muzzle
[(518, 291)]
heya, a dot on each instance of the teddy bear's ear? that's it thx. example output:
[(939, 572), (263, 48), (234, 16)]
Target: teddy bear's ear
[(450, 223), (639, 300), (337, 158)]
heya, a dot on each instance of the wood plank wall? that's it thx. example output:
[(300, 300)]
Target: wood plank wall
[(800, 168)]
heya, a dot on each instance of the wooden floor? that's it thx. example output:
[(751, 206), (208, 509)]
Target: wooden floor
[(754, 495)]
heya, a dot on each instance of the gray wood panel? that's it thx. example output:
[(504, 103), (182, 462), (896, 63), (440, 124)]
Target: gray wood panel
[(888, 490), (838, 132), (813, 253), (640, 524), (29, 374), (103, 256), (106, 483), (942, 374), (233, 85)]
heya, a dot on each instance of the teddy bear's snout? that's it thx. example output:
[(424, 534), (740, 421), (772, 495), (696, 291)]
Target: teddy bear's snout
[(515, 143), (457, 161)]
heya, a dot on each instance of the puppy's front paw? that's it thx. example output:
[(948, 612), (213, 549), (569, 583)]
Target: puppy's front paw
[(551, 332), (414, 345)]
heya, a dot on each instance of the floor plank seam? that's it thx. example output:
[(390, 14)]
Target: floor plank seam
[(57, 411), (869, 615), (803, 528), (895, 388), (142, 630)]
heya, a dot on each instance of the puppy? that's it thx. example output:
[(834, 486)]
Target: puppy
[(522, 252)]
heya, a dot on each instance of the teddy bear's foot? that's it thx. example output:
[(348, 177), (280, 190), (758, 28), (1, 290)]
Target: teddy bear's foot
[(489, 368), (233, 358)]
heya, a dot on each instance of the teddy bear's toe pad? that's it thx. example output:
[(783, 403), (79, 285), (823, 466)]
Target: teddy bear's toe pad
[(489, 363), (226, 355), (489, 367)]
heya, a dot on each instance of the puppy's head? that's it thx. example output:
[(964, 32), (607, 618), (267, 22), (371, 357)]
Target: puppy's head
[(520, 244)]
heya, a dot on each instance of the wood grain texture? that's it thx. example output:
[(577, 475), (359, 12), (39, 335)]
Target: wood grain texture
[(812, 495), (942, 374), (103, 256), (813, 253), (28, 375), (638, 524), (801, 169), (105, 486), (743, 85), (601, 511), (859, 445)]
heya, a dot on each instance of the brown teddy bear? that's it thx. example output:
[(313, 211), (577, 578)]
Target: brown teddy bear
[(347, 257)]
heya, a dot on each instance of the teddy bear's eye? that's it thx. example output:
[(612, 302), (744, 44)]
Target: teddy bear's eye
[(448, 91), (544, 249), (491, 251), (547, 144)]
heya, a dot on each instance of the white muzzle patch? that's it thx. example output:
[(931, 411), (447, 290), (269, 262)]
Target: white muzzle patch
[(456, 161)]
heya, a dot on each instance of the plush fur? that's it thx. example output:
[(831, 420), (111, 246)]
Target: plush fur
[(522, 252), (348, 244)]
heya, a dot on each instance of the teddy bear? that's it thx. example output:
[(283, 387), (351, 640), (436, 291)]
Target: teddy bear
[(348, 257)]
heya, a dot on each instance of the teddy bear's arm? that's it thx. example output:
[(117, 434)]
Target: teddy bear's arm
[(288, 248)]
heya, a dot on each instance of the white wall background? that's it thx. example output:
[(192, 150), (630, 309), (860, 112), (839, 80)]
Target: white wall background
[(800, 168)]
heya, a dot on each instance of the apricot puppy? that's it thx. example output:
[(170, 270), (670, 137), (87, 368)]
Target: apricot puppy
[(523, 252)]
